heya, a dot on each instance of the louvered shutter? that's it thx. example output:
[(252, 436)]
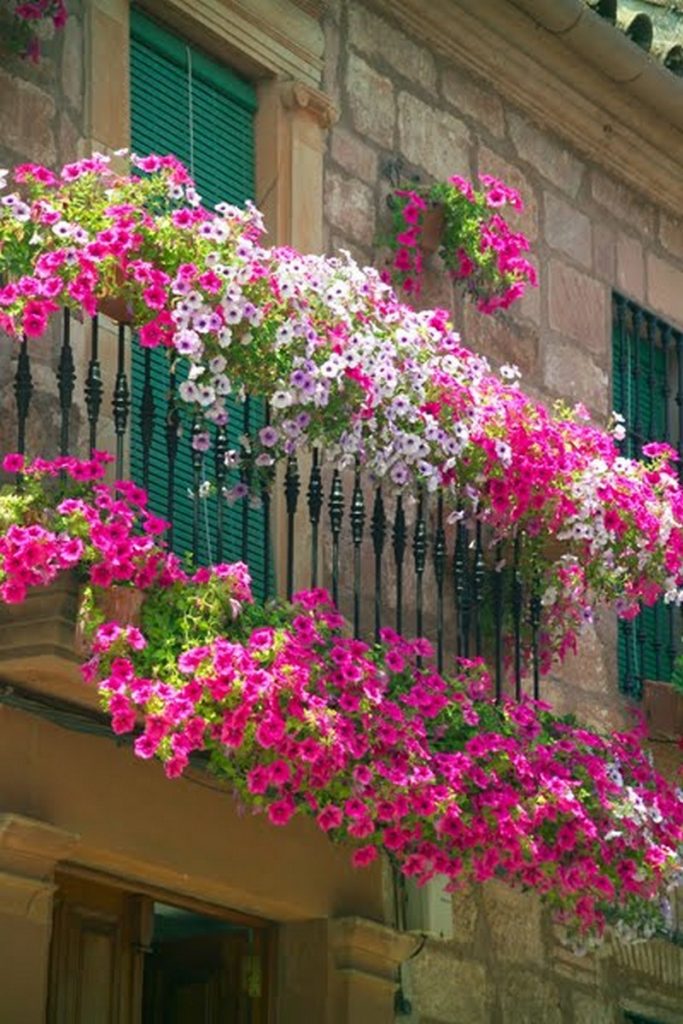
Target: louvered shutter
[(184, 103), (639, 386)]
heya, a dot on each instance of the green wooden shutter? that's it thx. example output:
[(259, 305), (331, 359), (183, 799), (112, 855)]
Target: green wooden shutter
[(640, 398), (184, 103)]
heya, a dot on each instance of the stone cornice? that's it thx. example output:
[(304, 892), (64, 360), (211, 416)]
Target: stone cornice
[(538, 71)]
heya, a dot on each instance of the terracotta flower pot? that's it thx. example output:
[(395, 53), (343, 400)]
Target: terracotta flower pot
[(118, 604), (432, 229), (115, 306)]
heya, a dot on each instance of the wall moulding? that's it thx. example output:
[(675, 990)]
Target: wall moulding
[(538, 72), (258, 37)]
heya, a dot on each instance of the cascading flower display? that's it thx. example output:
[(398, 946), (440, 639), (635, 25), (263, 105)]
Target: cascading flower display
[(476, 244), (348, 368), (379, 748)]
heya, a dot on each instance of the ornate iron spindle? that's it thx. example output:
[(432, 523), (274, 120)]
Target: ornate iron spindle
[(173, 425), (459, 586), (336, 507), (517, 601), (535, 623), (121, 400), (478, 585), (439, 575), (267, 478), (147, 416), (93, 384), (638, 319), (315, 506), (357, 516), (399, 544), (197, 461), (665, 337), (379, 525), (292, 488), (66, 381), (497, 593), (23, 390), (245, 477), (220, 473), (420, 560)]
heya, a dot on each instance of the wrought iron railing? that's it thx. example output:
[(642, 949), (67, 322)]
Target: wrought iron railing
[(388, 560)]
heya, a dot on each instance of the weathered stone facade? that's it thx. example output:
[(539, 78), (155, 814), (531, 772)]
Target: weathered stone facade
[(396, 95), (591, 235)]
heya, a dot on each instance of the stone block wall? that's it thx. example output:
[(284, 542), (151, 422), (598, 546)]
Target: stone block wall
[(591, 235)]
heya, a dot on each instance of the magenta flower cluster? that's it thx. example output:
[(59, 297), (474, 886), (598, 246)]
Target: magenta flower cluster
[(377, 746), (475, 242), (350, 369), (108, 533), (395, 758)]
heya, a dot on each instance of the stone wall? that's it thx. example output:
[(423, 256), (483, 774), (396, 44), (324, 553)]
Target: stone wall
[(591, 235)]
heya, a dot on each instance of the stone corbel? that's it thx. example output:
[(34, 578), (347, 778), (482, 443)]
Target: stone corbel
[(299, 96), (364, 958)]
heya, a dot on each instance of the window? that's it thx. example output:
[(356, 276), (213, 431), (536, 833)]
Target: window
[(119, 956), (184, 103), (647, 363)]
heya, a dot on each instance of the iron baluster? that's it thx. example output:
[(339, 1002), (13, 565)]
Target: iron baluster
[(23, 390), (517, 600), (378, 532), (315, 505), (459, 583), (220, 474), (93, 384), (197, 461), (121, 400), (478, 584), (336, 507), (147, 416), (292, 488), (267, 481), (420, 560), (357, 516), (497, 593), (399, 544), (173, 427), (245, 476), (66, 380), (535, 623), (439, 575)]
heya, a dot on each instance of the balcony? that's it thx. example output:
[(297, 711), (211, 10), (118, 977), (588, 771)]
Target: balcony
[(387, 559)]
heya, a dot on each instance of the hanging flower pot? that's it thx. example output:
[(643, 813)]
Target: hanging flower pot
[(432, 229), (115, 305), (119, 604)]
